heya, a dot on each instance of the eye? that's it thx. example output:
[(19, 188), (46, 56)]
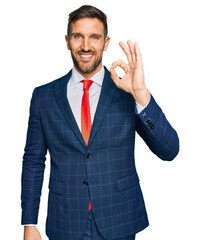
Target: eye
[(95, 37), (77, 36)]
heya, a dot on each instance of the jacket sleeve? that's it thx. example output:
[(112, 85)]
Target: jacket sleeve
[(156, 131), (33, 165)]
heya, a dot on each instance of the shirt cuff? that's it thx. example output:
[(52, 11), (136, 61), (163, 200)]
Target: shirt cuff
[(139, 108), (29, 225)]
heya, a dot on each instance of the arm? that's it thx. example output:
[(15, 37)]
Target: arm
[(33, 167), (156, 131), (151, 123)]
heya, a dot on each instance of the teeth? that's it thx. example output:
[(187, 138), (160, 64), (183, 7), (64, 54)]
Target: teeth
[(86, 56)]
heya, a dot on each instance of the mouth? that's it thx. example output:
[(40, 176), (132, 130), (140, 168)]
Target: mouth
[(85, 56)]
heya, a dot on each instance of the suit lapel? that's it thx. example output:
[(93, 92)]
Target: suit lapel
[(106, 95), (63, 103)]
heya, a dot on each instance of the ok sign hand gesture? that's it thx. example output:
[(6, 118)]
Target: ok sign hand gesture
[(133, 80)]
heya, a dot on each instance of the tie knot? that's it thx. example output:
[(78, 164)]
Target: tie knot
[(86, 84)]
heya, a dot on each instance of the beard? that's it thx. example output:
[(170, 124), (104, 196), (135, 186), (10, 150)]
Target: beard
[(86, 69)]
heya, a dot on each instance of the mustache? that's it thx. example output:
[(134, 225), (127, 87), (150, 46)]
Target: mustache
[(89, 51)]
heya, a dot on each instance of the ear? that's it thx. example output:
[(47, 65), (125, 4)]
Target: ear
[(67, 41), (107, 40)]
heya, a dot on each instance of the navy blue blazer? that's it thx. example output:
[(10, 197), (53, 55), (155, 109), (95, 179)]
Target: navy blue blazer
[(103, 171)]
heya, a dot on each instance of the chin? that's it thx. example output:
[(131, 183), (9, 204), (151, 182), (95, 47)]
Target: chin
[(86, 69)]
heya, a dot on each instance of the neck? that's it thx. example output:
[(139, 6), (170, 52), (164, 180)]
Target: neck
[(91, 74)]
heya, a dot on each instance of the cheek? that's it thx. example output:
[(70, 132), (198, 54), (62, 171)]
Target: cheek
[(74, 46), (99, 49)]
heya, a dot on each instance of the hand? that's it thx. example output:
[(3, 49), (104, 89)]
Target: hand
[(133, 80), (31, 233)]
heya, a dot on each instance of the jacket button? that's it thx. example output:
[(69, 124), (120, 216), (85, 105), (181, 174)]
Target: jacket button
[(148, 121), (88, 155), (85, 182)]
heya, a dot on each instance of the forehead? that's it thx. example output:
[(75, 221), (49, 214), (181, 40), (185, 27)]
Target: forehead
[(87, 25)]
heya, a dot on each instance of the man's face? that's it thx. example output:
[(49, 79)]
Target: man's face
[(87, 44)]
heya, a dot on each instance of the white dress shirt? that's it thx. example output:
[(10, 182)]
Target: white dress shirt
[(75, 93)]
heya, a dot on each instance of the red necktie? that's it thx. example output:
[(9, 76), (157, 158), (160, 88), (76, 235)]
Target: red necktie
[(86, 123)]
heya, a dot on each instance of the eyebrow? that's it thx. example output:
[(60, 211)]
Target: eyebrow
[(93, 34)]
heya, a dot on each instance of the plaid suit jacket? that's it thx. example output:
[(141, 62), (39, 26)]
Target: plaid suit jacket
[(103, 171)]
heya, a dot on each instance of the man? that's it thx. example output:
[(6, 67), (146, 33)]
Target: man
[(87, 120)]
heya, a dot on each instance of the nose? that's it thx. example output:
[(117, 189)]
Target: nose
[(86, 44)]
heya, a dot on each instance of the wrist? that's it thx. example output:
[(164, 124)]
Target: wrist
[(29, 227), (142, 96)]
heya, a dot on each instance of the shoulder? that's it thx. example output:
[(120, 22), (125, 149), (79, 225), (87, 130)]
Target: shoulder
[(51, 84), (48, 88)]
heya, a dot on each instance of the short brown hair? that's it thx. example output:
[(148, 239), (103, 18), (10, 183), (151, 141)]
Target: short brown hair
[(87, 11)]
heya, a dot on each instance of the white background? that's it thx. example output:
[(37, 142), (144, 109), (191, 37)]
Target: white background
[(33, 52)]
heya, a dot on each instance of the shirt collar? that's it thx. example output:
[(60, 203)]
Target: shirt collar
[(97, 78)]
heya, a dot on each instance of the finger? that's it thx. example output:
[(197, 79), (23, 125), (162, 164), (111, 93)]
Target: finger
[(132, 50), (114, 76), (126, 51), (121, 64), (138, 53)]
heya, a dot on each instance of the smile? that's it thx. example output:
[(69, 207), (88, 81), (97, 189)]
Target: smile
[(86, 56)]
